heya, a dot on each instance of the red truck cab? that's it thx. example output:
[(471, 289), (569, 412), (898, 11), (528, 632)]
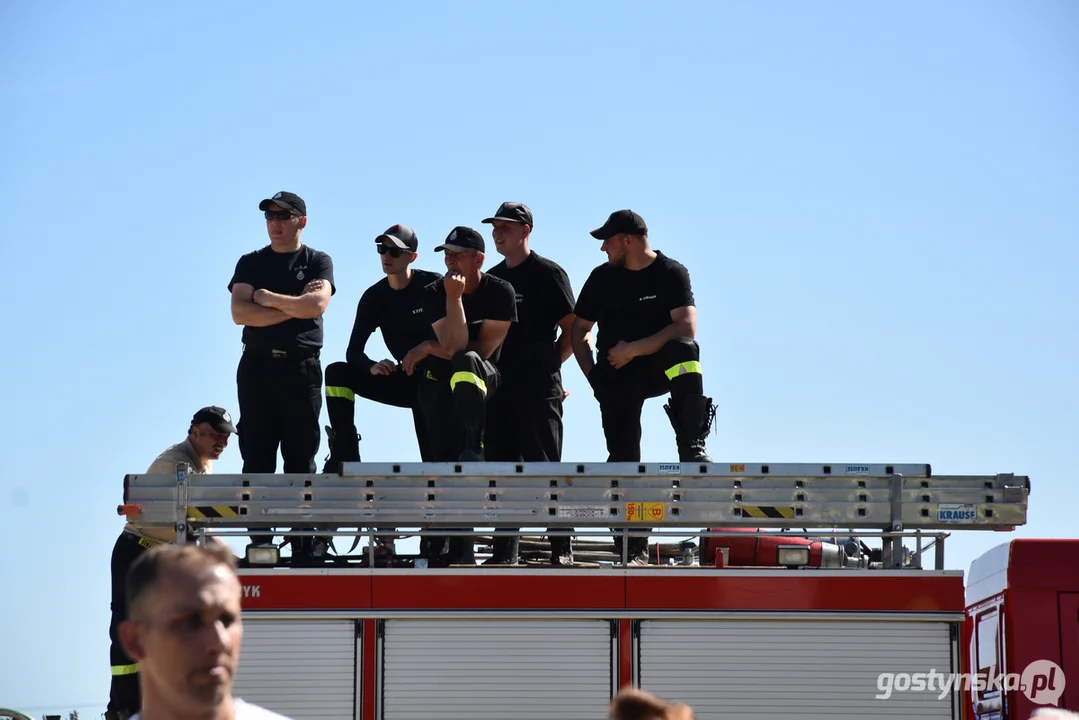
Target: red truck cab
[(1022, 629)]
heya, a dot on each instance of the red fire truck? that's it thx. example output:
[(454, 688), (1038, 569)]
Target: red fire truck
[(817, 590), (1023, 629)]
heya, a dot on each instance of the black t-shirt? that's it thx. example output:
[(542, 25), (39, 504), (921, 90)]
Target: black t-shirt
[(633, 304), (493, 299), (284, 274), (544, 297), (398, 313)]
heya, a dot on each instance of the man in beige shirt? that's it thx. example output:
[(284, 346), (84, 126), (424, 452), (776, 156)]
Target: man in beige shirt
[(207, 437)]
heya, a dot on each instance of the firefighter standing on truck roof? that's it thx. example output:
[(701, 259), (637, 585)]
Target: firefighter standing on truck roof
[(643, 303), (207, 437), (393, 305), (524, 418), (279, 294), (470, 312)]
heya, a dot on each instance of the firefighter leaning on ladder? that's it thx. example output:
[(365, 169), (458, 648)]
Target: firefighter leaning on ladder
[(207, 437)]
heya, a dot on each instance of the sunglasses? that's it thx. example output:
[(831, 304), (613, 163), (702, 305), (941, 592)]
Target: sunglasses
[(394, 252), (277, 214)]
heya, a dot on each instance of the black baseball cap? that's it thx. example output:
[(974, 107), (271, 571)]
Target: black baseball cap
[(216, 417), (462, 238), (513, 212), (400, 236), (621, 221), (287, 201)]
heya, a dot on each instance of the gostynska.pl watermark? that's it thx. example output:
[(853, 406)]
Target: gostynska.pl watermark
[(1042, 681)]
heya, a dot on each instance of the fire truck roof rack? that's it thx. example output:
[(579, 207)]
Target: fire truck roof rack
[(893, 498)]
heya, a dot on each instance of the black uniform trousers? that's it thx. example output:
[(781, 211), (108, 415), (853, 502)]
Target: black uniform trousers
[(124, 693), (344, 381), (454, 409), (280, 399), (524, 424), (280, 402), (621, 393)]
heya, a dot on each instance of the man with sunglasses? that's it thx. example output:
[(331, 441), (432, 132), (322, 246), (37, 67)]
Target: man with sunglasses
[(393, 305), (524, 419), (644, 305), (207, 437), (279, 294), (470, 312)]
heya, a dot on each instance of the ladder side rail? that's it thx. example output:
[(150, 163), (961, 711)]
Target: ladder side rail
[(984, 502), (628, 469)]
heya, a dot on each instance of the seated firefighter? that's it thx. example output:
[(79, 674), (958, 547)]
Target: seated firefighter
[(643, 302), (393, 305), (470, 312), (207, 437)]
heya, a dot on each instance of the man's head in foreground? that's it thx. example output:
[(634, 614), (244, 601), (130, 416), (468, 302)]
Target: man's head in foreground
[(184, 628), (636, 704)]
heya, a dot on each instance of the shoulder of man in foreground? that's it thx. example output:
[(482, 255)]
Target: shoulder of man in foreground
[(244, 711), (248, 711), (1053, 714)]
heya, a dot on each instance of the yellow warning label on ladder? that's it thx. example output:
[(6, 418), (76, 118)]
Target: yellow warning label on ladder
[(646, 512)]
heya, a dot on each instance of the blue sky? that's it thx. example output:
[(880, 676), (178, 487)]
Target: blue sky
[(877, 205)]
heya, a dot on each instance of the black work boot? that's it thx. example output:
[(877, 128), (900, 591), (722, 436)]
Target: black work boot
[(561, 551), (505, 551), (311, 551), (433, 549), (343, 448), (692, 417), (473, 450), (637, 550), (462, 551)]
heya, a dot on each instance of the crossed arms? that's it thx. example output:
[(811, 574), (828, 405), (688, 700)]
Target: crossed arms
[(262, 308)]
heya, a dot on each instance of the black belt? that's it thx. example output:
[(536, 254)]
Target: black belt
[(293, 354)]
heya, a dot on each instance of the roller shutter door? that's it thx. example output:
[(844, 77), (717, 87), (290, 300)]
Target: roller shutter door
[(496, 669), (808, 670), (303, 669)]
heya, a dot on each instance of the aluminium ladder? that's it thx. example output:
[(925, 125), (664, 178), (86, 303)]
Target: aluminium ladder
[(893, 498)]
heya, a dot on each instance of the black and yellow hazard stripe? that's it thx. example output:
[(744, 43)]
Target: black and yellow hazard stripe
[(213, 511), (767, 511)]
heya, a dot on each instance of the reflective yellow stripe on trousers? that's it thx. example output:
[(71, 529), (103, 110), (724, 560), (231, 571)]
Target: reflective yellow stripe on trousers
[(125, 669), (341, 392), (465, 376), (684, 369)]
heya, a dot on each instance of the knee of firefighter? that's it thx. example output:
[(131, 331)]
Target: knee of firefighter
[(469, 361), (337, 373), (468, 371), (682, 349)]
